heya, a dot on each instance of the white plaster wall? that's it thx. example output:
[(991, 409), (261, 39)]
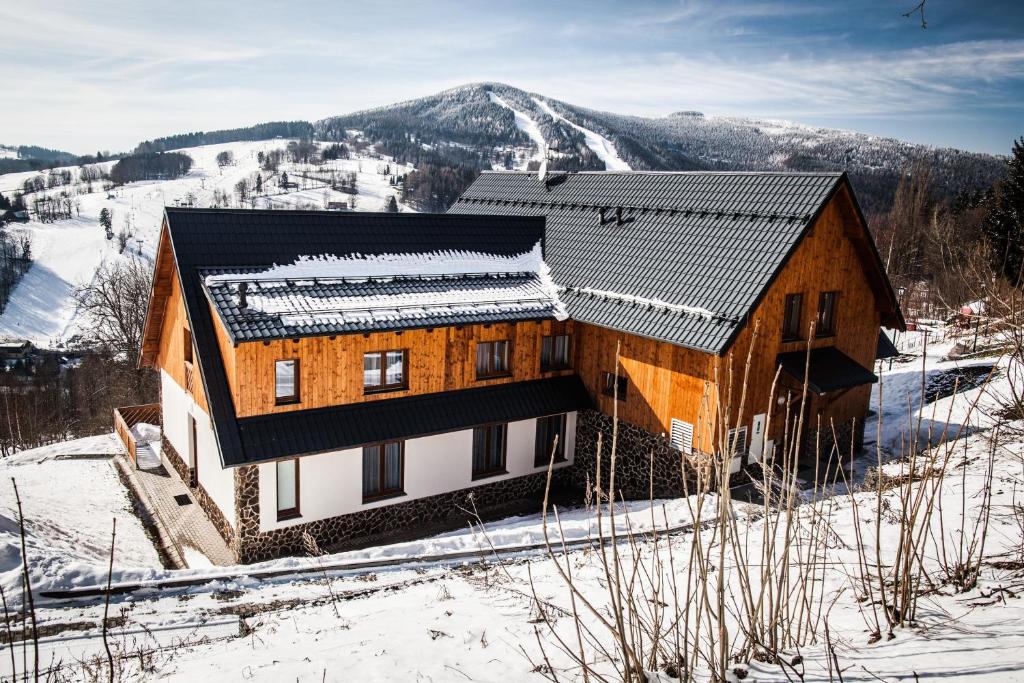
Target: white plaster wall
[(331, 484), (176, 406)]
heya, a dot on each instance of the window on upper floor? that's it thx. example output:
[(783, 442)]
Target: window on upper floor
[(826, 326), (791, 313), (489, 450), (286, 381), (555, 352), (383, 470), (186, 344), (385, 370), (550, 435), (492, 359), (614, 386)]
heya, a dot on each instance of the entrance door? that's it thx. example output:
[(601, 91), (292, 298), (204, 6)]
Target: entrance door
[(193, 454), (757, 438)]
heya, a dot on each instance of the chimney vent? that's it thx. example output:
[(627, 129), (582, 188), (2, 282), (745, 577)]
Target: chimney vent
[(600, 216), (618, 215), (243, 289)]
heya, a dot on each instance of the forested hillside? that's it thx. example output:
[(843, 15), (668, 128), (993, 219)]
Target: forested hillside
[(475, 126)]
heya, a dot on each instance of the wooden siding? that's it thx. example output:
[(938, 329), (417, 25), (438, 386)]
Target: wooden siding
[(171, 353), (331, 368), (666, 381), (828, 259)]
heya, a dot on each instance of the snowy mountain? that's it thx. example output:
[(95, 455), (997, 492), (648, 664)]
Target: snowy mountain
[(68, 252), (495, 125)]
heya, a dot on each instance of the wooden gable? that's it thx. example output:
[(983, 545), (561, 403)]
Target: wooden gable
[(164, 273)]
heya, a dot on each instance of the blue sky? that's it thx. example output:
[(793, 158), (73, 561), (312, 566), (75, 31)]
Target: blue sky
[(88, 75)]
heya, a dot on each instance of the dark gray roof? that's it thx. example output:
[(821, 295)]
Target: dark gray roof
[(830, 369), (711, 241), (303, 308), (281, 435), (204, 239), (885, 348)]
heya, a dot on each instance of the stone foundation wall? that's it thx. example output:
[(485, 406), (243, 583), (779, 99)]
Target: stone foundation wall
[(845, 433), (199, 493), (252, 545), (177, 462), (633, 460)]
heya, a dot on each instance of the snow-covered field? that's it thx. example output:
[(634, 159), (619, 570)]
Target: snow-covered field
[(67, 253), (471, 620)]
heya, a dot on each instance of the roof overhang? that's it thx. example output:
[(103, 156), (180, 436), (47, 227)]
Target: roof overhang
[(827, 370), (322, 430)]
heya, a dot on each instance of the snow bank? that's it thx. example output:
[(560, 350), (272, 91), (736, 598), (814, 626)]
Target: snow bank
[(69, 508)]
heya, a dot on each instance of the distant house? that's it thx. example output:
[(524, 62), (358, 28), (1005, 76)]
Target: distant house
[(13, 216), (338, 206), (15, 349), (347, 375)]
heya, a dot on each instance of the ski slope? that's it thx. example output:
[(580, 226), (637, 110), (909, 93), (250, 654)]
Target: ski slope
[(68, 253), (598, 144), (525, 124)]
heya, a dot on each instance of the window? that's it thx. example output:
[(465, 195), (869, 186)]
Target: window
[(186, 344), (548, 428), (791, 316), (385, 370), (826, 326), (554, 352), (614, 386), (682, 436), (286, 381), (491, 359), (383, 470), (287, 489), (489, 450)]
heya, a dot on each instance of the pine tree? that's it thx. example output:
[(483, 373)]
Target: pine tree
[(106, 220), (259, 183), (1004, 223), (391, 206)]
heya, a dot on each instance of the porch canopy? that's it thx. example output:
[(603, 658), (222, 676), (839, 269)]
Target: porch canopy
[(829, 370)]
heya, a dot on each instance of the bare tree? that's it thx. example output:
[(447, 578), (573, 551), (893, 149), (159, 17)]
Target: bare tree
[(115, 302)]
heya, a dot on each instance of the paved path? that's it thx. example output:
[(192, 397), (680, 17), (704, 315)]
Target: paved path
[(186, 533)]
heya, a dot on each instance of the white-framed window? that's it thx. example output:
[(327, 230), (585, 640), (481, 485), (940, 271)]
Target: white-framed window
[(682, 436)]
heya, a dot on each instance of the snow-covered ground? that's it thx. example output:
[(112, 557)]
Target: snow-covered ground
[(67, 253), (70, 498), (470, 620), (598, 144)]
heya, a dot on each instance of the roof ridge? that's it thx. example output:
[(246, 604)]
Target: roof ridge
[(831, 174), (637, 207)]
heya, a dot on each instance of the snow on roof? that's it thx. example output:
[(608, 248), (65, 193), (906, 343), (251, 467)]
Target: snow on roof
[(327, 294), (359, 266)]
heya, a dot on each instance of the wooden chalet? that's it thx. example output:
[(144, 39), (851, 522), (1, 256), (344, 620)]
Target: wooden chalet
[(347, 375)]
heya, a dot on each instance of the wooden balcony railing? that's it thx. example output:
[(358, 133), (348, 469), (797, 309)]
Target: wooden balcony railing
[(129, 416)]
